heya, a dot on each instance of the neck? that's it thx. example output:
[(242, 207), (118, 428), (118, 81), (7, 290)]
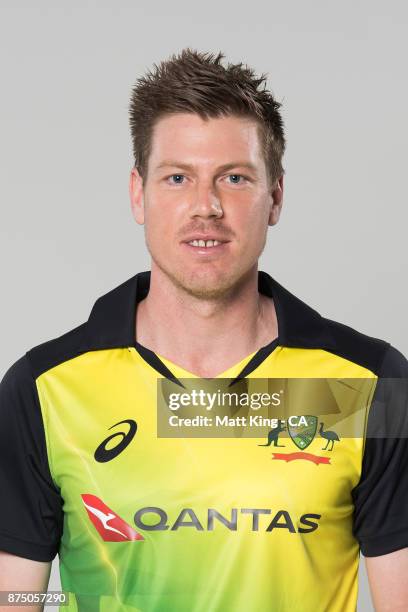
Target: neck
[(205, 337)]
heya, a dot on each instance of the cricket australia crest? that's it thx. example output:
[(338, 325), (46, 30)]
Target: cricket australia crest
[(303, 433)]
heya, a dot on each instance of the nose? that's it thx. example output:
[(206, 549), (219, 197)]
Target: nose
[(205, 201)]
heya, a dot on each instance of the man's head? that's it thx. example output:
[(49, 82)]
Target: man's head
[(208, 145)]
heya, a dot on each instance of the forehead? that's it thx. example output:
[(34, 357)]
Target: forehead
[(187, 137)]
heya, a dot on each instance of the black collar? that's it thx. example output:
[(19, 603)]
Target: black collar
[(111, 323)]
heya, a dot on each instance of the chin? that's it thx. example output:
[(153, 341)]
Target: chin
[(205, 284), (201, 283), (206, 291)]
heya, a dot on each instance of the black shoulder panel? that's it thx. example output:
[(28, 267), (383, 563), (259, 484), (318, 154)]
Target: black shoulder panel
[(31, 509), (355, 346), (380, 520), (45, 356)]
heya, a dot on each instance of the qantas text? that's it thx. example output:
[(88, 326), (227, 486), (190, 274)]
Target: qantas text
[(152, 518)]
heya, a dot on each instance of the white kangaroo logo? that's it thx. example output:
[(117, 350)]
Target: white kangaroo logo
[(104, 518)]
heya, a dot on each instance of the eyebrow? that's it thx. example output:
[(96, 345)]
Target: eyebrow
[(229, 166)]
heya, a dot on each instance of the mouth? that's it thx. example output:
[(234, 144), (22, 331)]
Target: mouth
[(208, 244), (206, 247)]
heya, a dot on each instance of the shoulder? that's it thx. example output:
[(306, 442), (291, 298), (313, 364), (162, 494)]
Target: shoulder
[(17, 379), (376, 354), (395, 364), (19, 407), (19, 401), (46, 355)]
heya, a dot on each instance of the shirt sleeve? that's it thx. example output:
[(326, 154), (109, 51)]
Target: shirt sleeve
[(381, 496), (31, 514)]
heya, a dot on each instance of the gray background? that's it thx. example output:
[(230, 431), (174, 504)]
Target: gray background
[(67, 234)]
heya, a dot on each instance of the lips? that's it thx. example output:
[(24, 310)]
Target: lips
[(205, 244), (205, 237), (206, 251)]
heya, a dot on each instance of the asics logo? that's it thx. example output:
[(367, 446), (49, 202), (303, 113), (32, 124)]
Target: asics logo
[(103, 454)]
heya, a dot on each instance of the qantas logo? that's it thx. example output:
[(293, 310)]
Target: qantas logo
[(112, 528), (103, 454)]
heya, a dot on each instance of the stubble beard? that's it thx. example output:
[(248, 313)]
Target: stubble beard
[(201, 286)]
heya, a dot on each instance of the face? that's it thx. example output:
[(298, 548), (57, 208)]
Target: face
[(206, 180)]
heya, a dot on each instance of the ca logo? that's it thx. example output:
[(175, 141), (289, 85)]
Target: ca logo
[(103, 454)]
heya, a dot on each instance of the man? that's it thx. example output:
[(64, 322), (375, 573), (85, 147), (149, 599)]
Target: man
[(143, 518)]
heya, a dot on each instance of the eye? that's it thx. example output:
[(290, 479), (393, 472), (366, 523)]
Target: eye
[(177, 177), (236, 178)]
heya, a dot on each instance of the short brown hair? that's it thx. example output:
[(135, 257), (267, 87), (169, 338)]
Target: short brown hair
[(197, 82)]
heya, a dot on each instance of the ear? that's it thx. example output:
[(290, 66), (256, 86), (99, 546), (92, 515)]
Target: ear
[(136, 196), (276, 197)]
